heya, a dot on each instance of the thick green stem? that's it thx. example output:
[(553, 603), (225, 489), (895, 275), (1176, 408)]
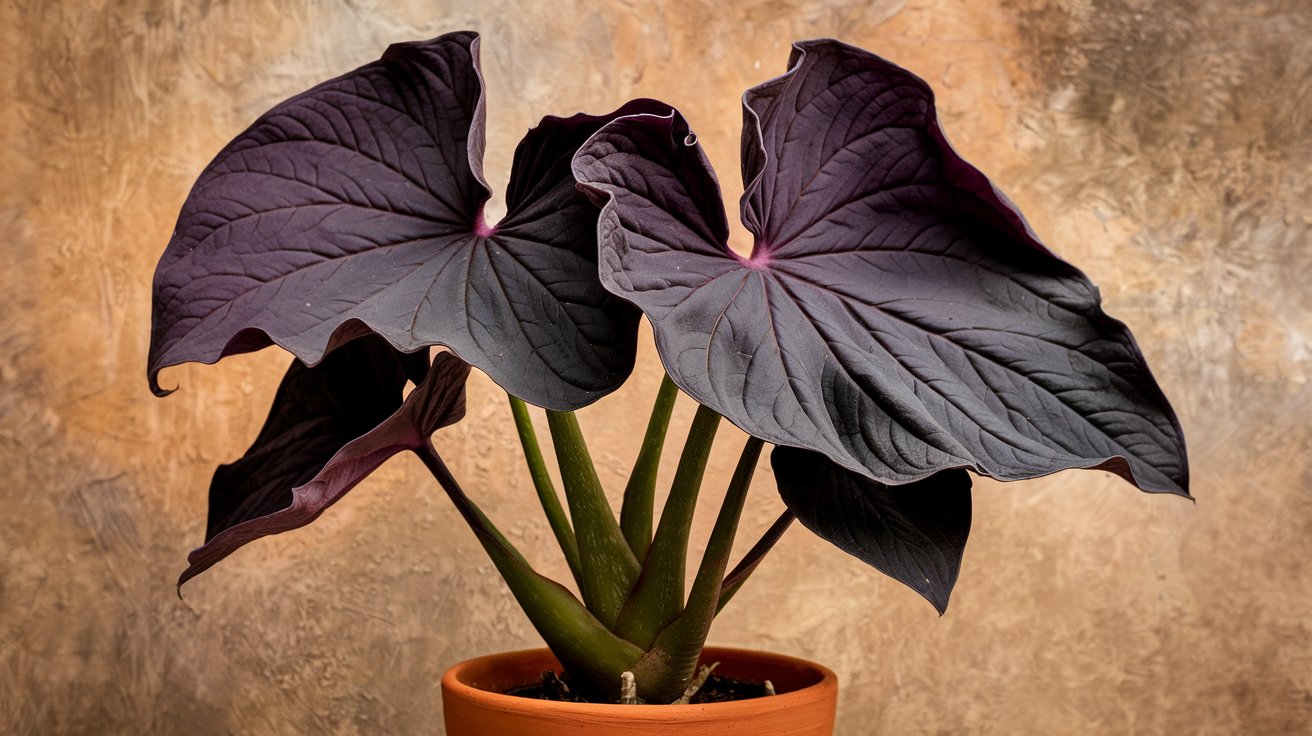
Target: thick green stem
[(673, 655), (537, 468), (640, 494), (582, 643), (607, 566), (657, 598)]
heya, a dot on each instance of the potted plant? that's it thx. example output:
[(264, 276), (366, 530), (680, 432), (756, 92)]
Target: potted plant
[(896, 325)]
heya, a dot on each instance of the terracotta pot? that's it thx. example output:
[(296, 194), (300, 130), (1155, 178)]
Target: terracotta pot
[(474, 702)]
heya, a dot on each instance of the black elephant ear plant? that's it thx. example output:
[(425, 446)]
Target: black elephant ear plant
[(897, 327)]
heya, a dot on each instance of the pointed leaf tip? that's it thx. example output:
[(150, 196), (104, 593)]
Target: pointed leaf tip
[(914, 533)]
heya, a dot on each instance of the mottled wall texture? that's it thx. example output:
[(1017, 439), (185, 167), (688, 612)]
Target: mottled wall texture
[(1163, 145)]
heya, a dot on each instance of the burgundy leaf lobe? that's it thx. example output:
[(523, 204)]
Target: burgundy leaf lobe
[(914, 533), (319, 442)]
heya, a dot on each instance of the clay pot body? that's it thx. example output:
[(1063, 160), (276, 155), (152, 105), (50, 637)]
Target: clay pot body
[(474, 702)]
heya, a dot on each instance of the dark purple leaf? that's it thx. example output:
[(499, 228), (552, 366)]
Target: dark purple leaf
[(314, 413), (357, 207), (914, 533), (896, 315), (328, 429)]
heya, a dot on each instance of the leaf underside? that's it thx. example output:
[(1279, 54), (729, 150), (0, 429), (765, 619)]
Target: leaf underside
[(356, 207), (329, 427), (914, 533), (897, 315)]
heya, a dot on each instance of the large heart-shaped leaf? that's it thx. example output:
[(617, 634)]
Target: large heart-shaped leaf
[(914, 533), (896, 314), (357, 206), (330, 426)]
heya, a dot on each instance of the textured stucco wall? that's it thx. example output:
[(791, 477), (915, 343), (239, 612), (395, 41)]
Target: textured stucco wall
[(1163, 146)]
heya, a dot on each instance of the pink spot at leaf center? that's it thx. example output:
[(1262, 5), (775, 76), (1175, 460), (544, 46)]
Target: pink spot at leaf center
[(481, 228)]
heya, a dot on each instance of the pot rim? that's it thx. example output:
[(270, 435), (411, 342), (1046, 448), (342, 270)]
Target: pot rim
[(826, 686)]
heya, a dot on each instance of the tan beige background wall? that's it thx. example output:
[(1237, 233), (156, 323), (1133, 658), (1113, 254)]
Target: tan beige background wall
[(1163, 146)]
